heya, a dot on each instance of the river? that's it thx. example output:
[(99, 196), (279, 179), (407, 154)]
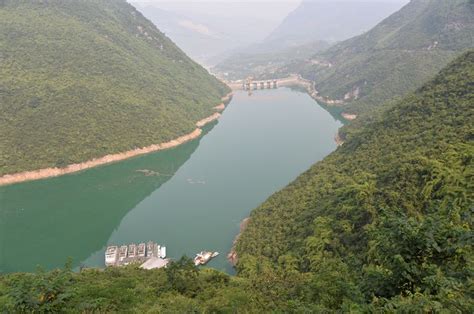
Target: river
[(189, 198)]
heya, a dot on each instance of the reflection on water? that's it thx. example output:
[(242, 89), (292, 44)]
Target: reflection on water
[(45, 222), (190, 198)]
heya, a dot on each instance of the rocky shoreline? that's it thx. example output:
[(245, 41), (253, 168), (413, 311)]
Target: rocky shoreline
[(55, 172), (207, 120), (232, 256), (337, 138)]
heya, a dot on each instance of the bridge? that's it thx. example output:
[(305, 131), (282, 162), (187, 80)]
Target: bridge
[(250, 84), (253, 85)]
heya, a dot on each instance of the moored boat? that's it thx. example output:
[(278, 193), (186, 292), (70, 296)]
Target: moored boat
[(135, 253), (141, 250), (163, 251), (132, 250), (123, 252), (149, 248), (111, 255), (202, 258)]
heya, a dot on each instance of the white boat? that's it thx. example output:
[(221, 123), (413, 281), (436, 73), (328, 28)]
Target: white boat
[(123, 252), (163, 252), (202, 258), (111, 255), (132, 250), (141, 250), (149, 248)]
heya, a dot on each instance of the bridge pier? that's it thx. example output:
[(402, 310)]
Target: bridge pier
[(250, 85)]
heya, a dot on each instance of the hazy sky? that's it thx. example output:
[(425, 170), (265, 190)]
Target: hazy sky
[(232, 8), (250, 8)]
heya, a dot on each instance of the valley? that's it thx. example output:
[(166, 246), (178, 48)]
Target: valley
[(324, 163), (248, 150)]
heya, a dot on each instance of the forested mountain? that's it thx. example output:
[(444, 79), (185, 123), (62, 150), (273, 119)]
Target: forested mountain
[(396, 56), (385, 219), (80, 79), (383, 224)]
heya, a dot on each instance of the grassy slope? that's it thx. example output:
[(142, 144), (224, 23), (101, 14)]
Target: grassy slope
[(81, 79), (381, 225), (398, 55)]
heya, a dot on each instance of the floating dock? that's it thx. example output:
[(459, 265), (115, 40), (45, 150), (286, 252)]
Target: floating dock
[(116, 256)]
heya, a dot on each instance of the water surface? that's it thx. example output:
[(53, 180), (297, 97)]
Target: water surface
[(190, 198)]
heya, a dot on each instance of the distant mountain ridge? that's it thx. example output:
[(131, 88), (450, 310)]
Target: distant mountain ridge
[(396, 56), (86, 78), (264, 65), (206, 37), (330, 21), (311, 24)]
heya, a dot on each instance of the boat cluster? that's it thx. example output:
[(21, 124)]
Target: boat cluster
[(133, 253), (149, 255)]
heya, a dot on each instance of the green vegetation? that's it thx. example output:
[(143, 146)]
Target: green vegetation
[(386, 220), (267, 65), (181, 288), (395, 57), (82, 79), (384, 224)]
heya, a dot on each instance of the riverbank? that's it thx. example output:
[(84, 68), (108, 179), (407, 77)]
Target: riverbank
[(232, 256), (55, 172), (101, 206), (310, 87), (208, 120), (338, 139)]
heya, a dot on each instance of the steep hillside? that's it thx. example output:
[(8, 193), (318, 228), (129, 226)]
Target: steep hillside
[(83, 79), (388, 216), (383, 225), (396, 56)]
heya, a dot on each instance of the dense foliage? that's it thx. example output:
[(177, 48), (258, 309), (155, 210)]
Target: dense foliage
[(84, 78), (384, 224), (386, 220), (181, 288), (397, 56)]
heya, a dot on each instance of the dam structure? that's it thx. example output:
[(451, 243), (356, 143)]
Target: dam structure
[(254, 85), (250, 84)]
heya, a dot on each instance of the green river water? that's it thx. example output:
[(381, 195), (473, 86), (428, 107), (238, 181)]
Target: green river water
[(194, 199)]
